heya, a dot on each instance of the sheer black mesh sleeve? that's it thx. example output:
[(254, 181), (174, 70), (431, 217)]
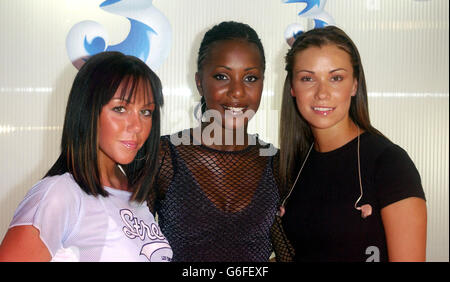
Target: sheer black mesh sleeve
[(165, 174), (284, 252)]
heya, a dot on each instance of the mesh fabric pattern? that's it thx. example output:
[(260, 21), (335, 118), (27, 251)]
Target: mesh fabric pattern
[(216, 205), (284, 251)]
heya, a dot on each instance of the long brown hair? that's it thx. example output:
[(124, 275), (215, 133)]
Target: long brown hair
[(295, 133)]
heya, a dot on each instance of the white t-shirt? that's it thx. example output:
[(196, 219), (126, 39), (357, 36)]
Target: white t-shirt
[(80, 227)]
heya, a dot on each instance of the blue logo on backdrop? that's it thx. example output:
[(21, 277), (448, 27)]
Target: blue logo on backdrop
[(314, 11), (309, 5), (149, 38)]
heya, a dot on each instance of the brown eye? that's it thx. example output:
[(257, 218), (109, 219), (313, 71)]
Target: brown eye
[(337, 78), (251, 78), (220, 77)]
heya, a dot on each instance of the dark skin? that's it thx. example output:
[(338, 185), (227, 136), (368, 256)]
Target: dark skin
[(231, 81)]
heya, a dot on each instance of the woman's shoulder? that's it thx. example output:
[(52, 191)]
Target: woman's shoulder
[(380, 145), (65, 180), (376, 140), (191, 136), (266, 149), (395, 174), (58, 194), (61, 188), (377, 145), (181, 137)]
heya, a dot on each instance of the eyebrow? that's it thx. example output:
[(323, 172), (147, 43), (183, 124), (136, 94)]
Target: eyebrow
[(338, 69), (228, 68), (124, 100), (335, 70)]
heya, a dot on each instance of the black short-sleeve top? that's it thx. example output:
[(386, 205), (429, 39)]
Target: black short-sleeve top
[(321, 221)]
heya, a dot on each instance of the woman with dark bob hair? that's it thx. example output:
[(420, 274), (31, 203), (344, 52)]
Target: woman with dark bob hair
[(352, 195), (86, 208)]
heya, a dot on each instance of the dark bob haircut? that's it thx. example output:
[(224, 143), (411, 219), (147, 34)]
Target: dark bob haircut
[(94, 86)]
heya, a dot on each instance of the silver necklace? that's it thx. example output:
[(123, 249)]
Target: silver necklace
[(366, 209)]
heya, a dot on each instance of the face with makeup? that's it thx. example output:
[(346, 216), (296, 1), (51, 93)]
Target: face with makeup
[(231, 81), (323, 85), (124, 126)]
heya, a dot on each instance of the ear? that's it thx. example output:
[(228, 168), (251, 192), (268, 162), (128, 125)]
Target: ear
[(198, 83), (355, 87), (292, 92)]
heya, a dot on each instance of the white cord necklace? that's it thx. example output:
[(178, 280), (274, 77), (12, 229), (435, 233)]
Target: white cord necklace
[(300, 171), (366, 209)]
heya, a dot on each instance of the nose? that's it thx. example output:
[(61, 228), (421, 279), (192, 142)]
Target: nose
[(134, 122), (322, 91), (236, 88)]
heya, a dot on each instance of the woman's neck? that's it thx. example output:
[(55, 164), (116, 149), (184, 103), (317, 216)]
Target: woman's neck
[(224, 139), (111, 175), (326, 140)]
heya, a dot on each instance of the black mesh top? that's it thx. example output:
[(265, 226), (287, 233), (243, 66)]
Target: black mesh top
[(216, 205)]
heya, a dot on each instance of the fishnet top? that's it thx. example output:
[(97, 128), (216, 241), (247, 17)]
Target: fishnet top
[(216, 205)]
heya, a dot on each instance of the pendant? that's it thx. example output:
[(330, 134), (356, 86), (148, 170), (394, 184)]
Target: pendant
[(366, 210), (281, 211)]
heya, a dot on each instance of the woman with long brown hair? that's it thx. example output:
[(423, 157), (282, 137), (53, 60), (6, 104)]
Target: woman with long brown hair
[(352, 195)]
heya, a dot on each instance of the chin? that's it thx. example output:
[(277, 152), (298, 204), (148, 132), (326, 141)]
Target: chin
[(322, 125), (125, 159), (234, 124)]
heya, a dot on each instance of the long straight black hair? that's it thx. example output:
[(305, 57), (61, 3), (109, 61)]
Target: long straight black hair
[(94, 86), (295, 133)]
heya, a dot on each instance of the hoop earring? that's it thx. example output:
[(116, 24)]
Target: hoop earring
[(199, 106)]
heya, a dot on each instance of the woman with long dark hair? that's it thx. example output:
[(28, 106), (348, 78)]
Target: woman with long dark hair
[(86, 208), (352, 195)]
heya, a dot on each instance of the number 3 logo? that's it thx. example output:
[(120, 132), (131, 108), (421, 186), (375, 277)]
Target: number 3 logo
[(149, 38), (374, 253)]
